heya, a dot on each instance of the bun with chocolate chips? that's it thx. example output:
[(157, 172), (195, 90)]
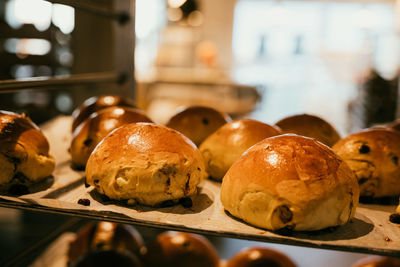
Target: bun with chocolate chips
[(24, 151), (293, 182), (373, 155)]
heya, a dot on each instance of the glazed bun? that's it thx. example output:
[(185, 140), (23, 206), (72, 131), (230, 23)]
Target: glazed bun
[(145, 163), (260, 257), (96, 103), (222, 148), (373, 155), (108, 241), (176, 249), (290, 181), (89, 133), (24, 151), (310, 126), (197, 122), (377, 261)]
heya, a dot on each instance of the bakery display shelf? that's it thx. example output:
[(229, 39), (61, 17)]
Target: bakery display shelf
[(369, 232)]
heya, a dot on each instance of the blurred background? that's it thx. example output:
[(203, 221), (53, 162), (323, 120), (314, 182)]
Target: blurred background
[(264, 59)]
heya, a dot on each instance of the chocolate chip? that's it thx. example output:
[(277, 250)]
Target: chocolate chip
[(364, 149), (198, 169), (88, 141), (96, 181), (205, 121), (186, 202), (84, 201), (285, 214), (395, 160), (395, 218)]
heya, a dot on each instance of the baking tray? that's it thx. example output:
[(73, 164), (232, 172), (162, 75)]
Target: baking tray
[(369, 232)]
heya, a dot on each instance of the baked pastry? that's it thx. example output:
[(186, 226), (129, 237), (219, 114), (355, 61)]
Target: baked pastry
[(90, 132), (145, 163), (373, 155), (96, 103), (310, 126), (24, 151), (290, 181), (377, 261), (260, 257), (107, 241), (197, 122), (223, 147), (177, 249)]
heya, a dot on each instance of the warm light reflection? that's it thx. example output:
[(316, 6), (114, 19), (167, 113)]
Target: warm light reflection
[(27, 46), (36, 12), (176, 3), (64, 18), (174, 14)]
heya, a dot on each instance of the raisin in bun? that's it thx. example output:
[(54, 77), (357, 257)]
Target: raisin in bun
[(377, 261), (94, 104), (177, 249), (260, 257), (24, 151), (310, 126), (146, 163), (89, 133), (290, 181), (107, 241), (373, 155), (223, 147), (197, 122)]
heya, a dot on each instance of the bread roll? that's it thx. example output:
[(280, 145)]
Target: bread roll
[(377, 261), (373, 155), (222, 148), (290, 181), (310, 126), (197, 122), (24, 151), (176, 249), (121, 243), (260, 257), (147, 163), (89, 133), (96, 103)]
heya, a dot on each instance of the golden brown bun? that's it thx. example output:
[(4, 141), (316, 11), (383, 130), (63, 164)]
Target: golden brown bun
[(89, 133), (105, 236), (290, 181), (176, 249), (377, 261), (147, 163), (94, 104), (24, 150), (197, 122), (222, 148), (260, 257), (373, 155), (310, 126), (395, 125)]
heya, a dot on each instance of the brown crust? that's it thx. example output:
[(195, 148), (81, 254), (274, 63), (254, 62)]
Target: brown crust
[(293, 171), (223, 147), (310, 126), (377, 261), (177, 249), (197, 122), (374, 157), (260, 256), (96, 103), (97, 126)]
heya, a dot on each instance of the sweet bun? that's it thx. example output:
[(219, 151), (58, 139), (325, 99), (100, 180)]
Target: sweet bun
[(24, 151), (373, 155), (377, 261), (310, 126), (197, 122), (260, 257), (177, 249), (146, 163), (107, 241), (223, 147), (293, 182), (89, 133), (96, 103)]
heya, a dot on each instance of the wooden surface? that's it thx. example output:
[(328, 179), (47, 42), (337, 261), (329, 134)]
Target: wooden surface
[(370, 231)]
